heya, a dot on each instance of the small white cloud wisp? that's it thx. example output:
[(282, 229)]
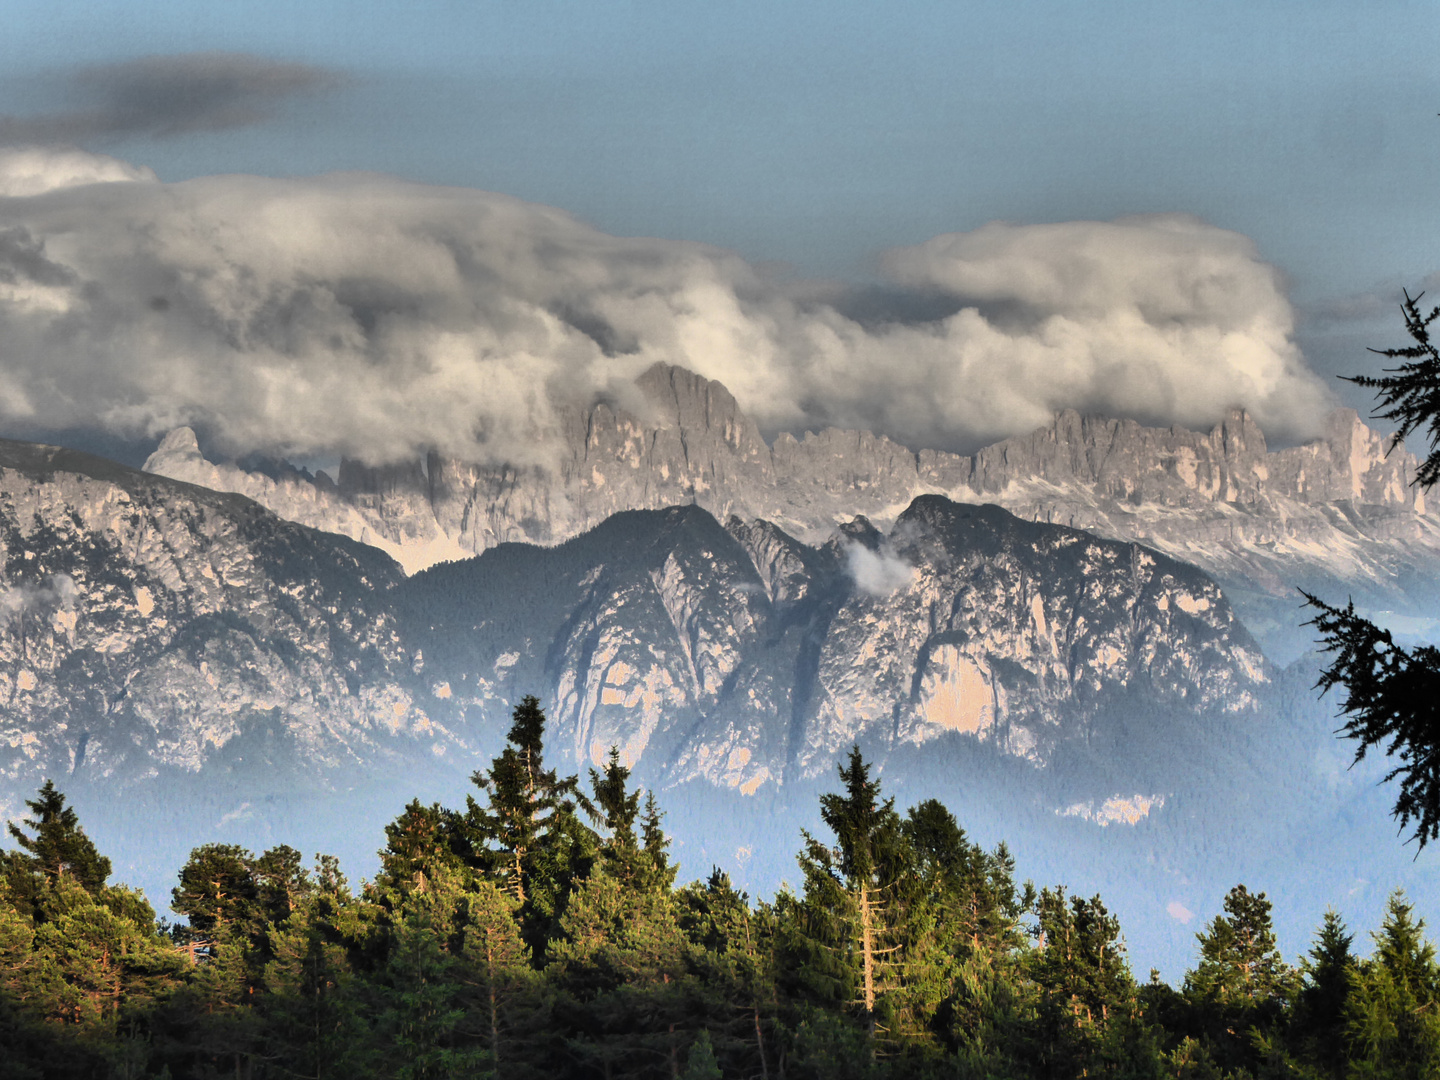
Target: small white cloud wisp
[(877, 572), (56, 592), (371, 317)]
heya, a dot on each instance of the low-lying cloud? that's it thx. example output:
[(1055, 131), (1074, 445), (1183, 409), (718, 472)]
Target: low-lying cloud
[(877, 572), (367, 316), (56, 592), (165, 96)]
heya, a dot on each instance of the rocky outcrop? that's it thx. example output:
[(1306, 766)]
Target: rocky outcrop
[(744, 658), (1337, 515), (147, 624)]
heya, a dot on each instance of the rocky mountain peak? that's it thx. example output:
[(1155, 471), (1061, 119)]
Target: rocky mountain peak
[(1339, 512)]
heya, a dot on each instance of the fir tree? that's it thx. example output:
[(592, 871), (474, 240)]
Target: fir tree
[(850, 890), (1318, 1023), (57, 849), (1393, 1023), (528, 838)]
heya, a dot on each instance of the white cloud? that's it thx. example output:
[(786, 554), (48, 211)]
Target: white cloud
[(34, 171), (878, 573), (58, 591), (363, 315), (1179, 912)]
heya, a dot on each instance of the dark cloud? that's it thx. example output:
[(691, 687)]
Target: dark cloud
[(165, 96), (1376, 304)]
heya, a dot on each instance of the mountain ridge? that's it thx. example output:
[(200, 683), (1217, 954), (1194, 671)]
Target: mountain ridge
[(1335, 515)]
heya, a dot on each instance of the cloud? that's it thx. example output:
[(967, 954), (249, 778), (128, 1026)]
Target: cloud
[(1179, 912), (363, 315), (878, 573), (165, 96), (35, 171), (1379, 303), (59, 591)]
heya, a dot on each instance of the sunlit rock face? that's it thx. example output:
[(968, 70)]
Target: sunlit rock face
[(1335, 515), (745, 658), (1031, 636), (147, 624)]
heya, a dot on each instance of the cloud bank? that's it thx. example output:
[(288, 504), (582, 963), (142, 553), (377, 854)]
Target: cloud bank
[(363, 315), (165, 96)]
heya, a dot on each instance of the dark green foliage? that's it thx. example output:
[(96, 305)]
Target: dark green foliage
[(1318, 1021), (527, 838), (1392, 1011), (58, 849), (1086, 996), (910, 954), (1410, 394), (1392, 694), (1392, 701), (422, 843)]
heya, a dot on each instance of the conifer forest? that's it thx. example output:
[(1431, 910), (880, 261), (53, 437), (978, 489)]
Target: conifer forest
[(538, 931)]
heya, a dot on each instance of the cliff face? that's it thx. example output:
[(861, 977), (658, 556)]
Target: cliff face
[(746, 659), (150, 626), (1337, 515), (147, 624)]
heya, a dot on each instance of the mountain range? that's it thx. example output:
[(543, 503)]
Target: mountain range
[(1085, 639), (1337, 515)]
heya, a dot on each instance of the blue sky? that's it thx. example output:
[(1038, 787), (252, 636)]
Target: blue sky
[(815, 136)]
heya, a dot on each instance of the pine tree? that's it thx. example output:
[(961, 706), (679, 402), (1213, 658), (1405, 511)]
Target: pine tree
[(1241, 987), (1393, 1009), (1086, 992), (58, 849), (423, 1016), (506, 1000), (421, 844), (621, 967), (313, 1005), (217, 888), (1239, 960)]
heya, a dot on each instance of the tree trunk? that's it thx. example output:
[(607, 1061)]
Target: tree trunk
[(760, 1044), (494, 1010), (867, 950)]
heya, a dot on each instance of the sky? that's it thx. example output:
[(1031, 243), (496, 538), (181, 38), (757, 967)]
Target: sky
[(800, 199)]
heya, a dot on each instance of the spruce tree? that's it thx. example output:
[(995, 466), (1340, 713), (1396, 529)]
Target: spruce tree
[(57, 849), (1318, 1021), (1393, 1009), (850, 890), (528, 827)]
